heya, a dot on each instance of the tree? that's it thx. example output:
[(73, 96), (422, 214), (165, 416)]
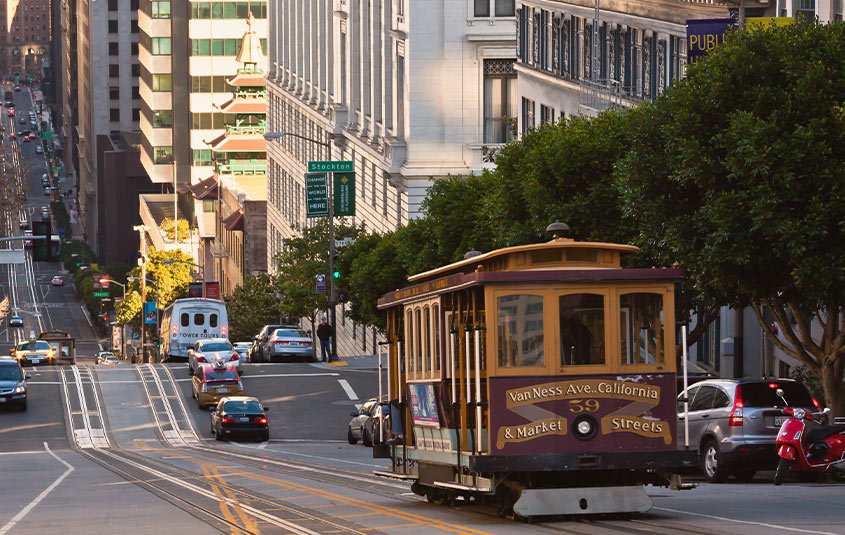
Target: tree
[(739, 172), (169, 228), (252, 305), (301, 260), (171, 284)]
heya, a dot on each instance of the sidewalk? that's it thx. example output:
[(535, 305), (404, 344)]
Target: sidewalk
[(362, 362)]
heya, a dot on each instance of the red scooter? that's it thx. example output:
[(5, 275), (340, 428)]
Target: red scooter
[(809, 449)]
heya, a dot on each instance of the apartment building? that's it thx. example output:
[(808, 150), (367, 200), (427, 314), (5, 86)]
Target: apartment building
[(408, 91), (106, 86), (24, 35), (188, 51)]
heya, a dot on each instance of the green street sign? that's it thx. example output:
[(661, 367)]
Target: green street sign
[(316, 195), (344, 194), (101, 294), (330, 167)]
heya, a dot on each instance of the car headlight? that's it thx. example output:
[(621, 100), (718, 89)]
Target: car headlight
[(20, 389)]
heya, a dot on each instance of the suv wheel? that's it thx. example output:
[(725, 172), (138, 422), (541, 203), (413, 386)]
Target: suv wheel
[(711, 465)]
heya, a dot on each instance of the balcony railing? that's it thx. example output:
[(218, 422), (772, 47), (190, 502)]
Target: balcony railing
[(251, 94), (243, 167), (247, 129)]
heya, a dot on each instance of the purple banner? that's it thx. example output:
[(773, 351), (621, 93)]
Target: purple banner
[(704, 35)]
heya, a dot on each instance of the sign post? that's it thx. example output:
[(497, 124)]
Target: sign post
[(321, 284)]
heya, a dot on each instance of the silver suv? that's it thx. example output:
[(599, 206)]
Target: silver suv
[(734, 423)]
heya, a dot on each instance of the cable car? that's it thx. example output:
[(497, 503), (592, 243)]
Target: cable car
[(540, 377)]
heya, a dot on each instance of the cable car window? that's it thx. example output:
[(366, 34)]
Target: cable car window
[(212, 320), (185, 319), (520, 330), (427, 338), (409, 343), (641, 328), (435, 311), (199, 319), (581, 329), (418, 325)]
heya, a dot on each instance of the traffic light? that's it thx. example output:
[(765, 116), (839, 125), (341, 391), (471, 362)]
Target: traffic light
[(336, 274), (336, 266), (41, 246), (342, 296)]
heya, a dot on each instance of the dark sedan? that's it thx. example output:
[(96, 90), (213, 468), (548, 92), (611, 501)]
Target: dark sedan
[(240, 416)]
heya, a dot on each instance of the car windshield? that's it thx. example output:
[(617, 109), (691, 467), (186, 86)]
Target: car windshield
[(216, 346), (245, 407), (292, 333), (221, 376), (33, 346), (10, 373), (765, 395)]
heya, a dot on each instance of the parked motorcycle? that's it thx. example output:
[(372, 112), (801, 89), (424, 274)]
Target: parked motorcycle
[(805, 446)]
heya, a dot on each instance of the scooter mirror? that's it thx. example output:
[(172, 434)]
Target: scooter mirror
[(826, 410), (779, 392)]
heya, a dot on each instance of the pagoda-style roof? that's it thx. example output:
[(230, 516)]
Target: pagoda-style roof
[(240, 143), (205, 189), (254, 79), (234, 221), (245, 105)]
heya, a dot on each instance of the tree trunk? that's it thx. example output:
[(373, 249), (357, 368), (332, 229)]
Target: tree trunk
[(833, 386)]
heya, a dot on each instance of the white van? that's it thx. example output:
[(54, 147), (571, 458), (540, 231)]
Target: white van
[(188, 320)]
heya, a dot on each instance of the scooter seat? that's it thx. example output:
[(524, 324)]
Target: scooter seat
[(820, 433)]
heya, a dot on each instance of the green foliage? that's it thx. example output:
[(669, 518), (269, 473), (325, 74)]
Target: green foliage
[(172, 283), (167, 226), (83, 253), (803, 375), (251, 306)]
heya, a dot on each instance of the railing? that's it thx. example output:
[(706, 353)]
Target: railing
[(251, 94), (251, 70), (247, 129), (600, 95), (243, 167)]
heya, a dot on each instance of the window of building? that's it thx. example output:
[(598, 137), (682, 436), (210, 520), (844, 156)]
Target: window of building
[(136, 93), (112, 26), (160, 9), (162, 118), (162, 155), (499, 100), (527, 115), (114, 71), (202, 157), (134, 48), (113, 49), (114, 93), (162, 82), (161, 46), (114, 114), (136, 70), (133, 26), (112, 5), (500, 8), (136, 114), (547, 114)]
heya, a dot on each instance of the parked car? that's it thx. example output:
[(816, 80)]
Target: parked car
[(39, 150), (12, 383), (283, 341), (103, 355), (243, 350), (211, 349), (57, 280), (212, 382), (734, 423), (22, 120), (110, 359), (16, 321), (27, 243), (367, 421), (240, 416)]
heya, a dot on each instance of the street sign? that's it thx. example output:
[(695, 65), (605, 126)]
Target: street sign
[(150, 313), (321, 284), (330, 167), (344, 194), (101, 294), (316, 195), (344, 242)]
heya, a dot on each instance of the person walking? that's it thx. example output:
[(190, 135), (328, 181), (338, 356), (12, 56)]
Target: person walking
[(324, 333)]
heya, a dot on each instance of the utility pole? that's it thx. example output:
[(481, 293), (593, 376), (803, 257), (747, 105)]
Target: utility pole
[(142, 261)]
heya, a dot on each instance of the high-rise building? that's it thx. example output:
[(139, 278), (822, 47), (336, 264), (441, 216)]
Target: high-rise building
[(24, 36), (408, 91), (107, 100), (188, 51)]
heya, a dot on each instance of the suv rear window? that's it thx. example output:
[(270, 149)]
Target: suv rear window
[(764, 395), (290, 333), (221, 376)]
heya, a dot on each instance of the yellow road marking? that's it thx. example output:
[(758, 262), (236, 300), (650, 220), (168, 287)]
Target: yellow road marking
[(224, 508), (250, 524), (393, 527), (357, 515), (377, 509), (338, 363)]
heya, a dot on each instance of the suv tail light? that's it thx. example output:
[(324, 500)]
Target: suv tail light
[(262, 420), (235, 357), (226, 420), (816, 403), (736, 413)]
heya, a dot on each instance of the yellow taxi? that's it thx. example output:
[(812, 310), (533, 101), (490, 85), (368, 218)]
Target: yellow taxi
[(34, 352), (212, 382)]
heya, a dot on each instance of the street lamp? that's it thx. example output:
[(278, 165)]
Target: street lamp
[(329, 187), (142, 261), (122, 328), (143, 319), (201, 268)]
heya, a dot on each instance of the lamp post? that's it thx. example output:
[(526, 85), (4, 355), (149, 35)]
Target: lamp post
[(143, 319), (123, 327), (142, 261), (329, 187), (201, 268)]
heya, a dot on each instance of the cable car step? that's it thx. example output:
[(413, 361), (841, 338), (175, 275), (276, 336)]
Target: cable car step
[(395, 475), (460, 486)]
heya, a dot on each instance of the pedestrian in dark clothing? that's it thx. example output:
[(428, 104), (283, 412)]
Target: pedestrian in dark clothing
[(324, 333)]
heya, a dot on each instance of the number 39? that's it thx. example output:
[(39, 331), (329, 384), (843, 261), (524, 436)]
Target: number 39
[(580, 405)]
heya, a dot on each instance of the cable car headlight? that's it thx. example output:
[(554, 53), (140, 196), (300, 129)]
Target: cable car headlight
[(585, 427)]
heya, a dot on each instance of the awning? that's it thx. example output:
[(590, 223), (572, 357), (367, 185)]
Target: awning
[(234, 221), (205, 189)]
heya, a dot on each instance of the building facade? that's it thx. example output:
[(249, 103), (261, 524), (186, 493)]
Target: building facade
[(187, 51), (25, 35), (107, 98), (408, 91)]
